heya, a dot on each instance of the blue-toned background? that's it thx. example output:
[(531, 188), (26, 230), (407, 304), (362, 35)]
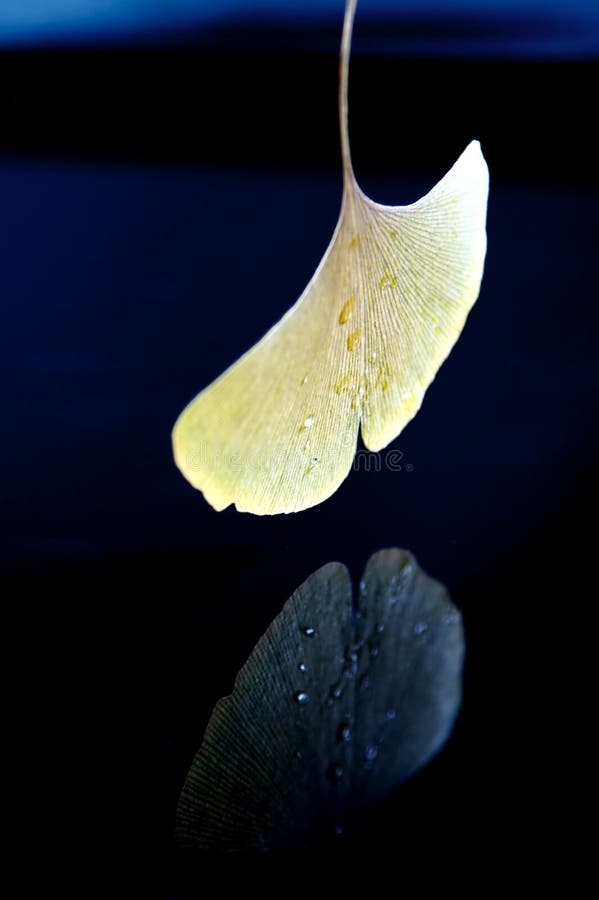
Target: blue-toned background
[(513, 27), (169, 179)]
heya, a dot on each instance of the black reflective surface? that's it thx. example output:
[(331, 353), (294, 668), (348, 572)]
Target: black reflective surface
[(130, 277)]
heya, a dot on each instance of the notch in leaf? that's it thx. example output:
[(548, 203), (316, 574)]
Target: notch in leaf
[(277, 432), (338, 703)]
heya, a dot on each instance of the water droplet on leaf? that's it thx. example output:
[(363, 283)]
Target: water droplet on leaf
[(344, 733), (352, 339), (335, 773), (346, 310), (388, 281)]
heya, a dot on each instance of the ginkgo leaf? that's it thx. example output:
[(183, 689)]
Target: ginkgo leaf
[(277, 432), (339, 702)]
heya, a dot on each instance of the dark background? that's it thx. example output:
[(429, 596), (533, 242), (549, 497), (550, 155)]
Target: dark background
[(165, 197)]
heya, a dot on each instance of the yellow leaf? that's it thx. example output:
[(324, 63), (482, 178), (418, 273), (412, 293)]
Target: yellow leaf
[(277, 432)]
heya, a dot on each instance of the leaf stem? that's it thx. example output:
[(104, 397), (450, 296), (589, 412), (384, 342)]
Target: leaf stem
[(348, 23)]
